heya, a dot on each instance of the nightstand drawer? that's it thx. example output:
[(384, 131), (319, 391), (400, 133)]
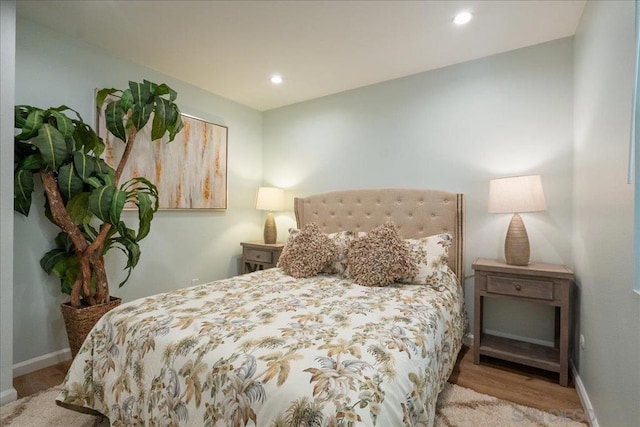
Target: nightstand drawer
[(258, 255), (539, 289)]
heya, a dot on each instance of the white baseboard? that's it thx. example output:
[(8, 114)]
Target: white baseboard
[(468, 340), (8, 396), (589, 413), (41, 362)]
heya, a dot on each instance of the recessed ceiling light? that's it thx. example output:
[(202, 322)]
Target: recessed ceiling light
[(462, 18), (276, 79)]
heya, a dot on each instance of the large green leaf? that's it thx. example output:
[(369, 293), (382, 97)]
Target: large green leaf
[(114, 117), (144, 194), (117, 205), (63, 123), (124, 231), (32, 162), (106, 178), (78, 208), (31, 124), (153, 87), (51, 258), (141, 92), (126, 100), (141, 114), (52, 146), (84, 164), (160, 119), (66, 108), (69, 182), (100, 202), (142, 184), (22, 150), (94, 182), (132, 250), (102, 95), (62, 264), (163, 89), (88, 167), (61, 267), (20, 114), (107, 203), (71, 146), (86, 139), (22, 190), (145, 215), (71, 270), (63, 241), (175, 125), (101, 166)]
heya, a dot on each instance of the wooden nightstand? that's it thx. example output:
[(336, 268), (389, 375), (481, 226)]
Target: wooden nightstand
[(258, 255), (548, 284)]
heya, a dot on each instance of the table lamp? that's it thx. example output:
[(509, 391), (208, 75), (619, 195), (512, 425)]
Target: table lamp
[(270, 199), (516, 195)]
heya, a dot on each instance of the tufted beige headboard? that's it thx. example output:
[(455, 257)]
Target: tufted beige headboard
[(416, 212)]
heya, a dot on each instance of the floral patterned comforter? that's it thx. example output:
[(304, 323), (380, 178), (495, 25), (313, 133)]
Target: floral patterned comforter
[(267, 349)]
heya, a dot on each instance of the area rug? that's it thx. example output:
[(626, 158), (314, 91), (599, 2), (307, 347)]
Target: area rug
[(457, 407)]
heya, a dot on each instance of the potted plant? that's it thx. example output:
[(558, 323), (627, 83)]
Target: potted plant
[(84, 196)]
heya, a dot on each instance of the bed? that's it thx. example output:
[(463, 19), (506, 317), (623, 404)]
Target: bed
[(269, 349)]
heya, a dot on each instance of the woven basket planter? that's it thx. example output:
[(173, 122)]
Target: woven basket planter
[(80, 321)]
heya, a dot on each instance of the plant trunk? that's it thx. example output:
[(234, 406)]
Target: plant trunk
[(102, 285), (89, 254), (82, 285)]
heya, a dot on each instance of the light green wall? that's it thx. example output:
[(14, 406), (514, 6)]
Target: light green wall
[(51, 70), (609, 310), (453, 129)]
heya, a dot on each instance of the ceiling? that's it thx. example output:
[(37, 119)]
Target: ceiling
[(231, 48)]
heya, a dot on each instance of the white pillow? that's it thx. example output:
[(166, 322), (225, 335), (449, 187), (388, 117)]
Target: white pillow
[(431, 255)]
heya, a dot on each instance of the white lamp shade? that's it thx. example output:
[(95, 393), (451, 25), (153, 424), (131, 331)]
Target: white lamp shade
[(270, 199), (516, 194)]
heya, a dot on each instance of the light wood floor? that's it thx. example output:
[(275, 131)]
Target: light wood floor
[(43, 379), (519, 384), (515, 383)]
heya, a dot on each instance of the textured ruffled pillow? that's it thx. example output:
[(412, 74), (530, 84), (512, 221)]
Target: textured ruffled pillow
[(380, 258), (307, 252), (338, 265), (431, 255)]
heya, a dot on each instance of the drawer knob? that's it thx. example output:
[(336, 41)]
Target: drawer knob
[(518, 287)]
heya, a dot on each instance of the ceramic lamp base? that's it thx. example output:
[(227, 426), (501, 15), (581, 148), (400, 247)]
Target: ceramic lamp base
[(516, 245), (270, 232)]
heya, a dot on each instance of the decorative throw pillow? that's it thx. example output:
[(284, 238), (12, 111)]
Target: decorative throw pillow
[(307, 252), (380, 258), (339, 263), (431, 255)]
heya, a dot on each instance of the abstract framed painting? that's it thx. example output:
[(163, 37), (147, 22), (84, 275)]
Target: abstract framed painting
[(190, 172)]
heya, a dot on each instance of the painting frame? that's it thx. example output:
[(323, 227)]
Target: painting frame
[(200, 183)]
